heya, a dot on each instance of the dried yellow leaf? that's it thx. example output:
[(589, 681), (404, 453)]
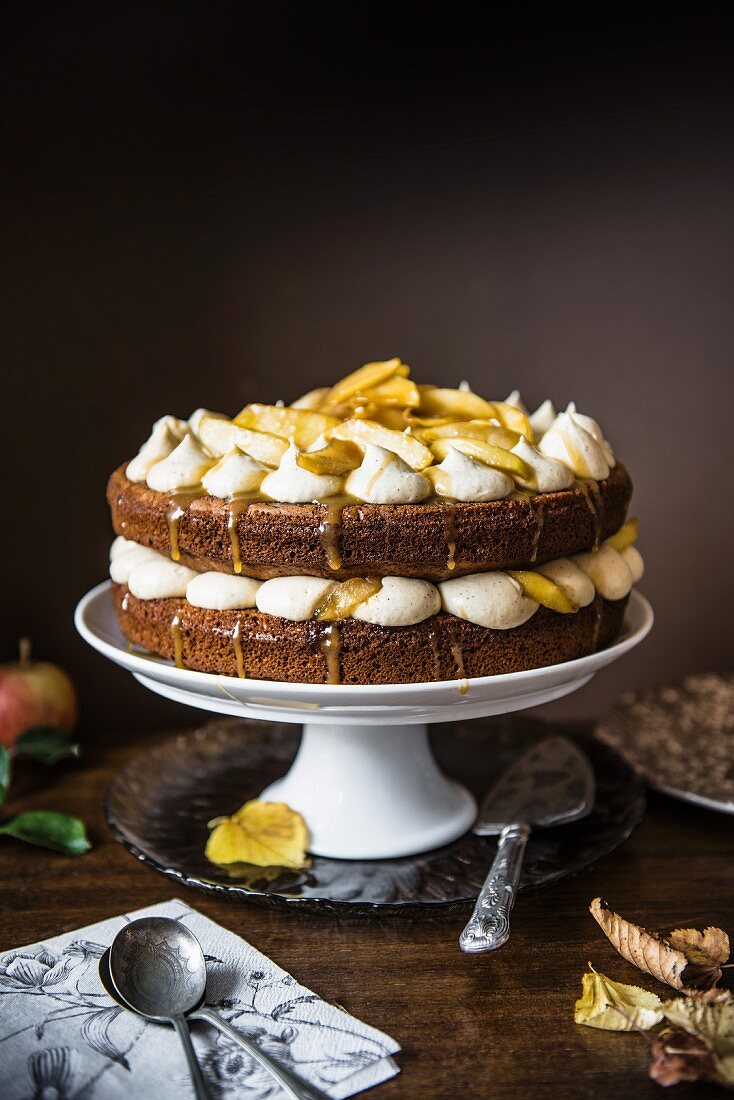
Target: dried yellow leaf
[(266, 834), (613, 1006), (685, 959)]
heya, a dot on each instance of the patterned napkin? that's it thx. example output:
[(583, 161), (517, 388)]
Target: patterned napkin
[(61, 1036)]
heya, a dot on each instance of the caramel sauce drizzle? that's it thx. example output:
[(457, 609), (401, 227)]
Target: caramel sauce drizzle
[(177, 641), (433, 640), (539, 522), (448, 515), (330, 645), (597, 625), (237, 643), (237, 505), (595, 504), (177, 506), (458, 654), (329, 531)]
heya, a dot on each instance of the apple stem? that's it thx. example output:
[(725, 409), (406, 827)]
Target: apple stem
[(25, 647)]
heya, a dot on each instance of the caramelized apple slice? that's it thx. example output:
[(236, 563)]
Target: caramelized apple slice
[(221, 436), (470, 429), (395, 391), (368, 376), (218, 436), (544, 591), (362, 432), (343, 599), (487, 453), (302, 426), (458, 404), (338, 457), (625, 536), (513, 418)]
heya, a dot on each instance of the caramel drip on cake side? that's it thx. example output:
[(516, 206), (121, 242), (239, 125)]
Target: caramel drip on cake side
[(177, 641), (236, 506), (330, 646), (330, 532), (539, 512), (177, 506), (448, 515), (433, 641), (458, 654), (595, 504), (597, 624), (237, 644)]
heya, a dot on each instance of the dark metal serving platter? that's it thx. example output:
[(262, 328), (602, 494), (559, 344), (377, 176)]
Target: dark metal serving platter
[(158, 807)]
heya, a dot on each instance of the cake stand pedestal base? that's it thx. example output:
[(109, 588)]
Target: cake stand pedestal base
[(372, 792)]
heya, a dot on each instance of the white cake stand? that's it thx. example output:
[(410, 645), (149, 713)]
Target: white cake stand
[(364, 778)]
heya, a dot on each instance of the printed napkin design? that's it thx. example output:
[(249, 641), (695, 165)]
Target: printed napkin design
[(62, 1036)]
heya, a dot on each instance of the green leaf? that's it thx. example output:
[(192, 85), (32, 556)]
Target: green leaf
[(45, 743), (5, 767), (49, 829)]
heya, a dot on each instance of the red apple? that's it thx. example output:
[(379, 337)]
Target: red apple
[(34, 693)]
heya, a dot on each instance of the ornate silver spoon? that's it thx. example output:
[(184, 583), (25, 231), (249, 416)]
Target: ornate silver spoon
[(156, 967)]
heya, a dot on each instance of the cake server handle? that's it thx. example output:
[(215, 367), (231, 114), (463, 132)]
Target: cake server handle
[(489, 924)]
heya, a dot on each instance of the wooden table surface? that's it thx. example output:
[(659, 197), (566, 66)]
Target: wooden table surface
[(497, 1025)]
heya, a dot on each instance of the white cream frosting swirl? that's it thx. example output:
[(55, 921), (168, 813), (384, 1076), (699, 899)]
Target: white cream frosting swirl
[(294, 598), (463, 478), (607, 570), (593, 428), (634, 562), (125, 559), (402, 601), (385, 478), (165, 436), (183, 468), (222, 591), (568, 441), (549, 475), (292, 484), (570, 578), (159, 580), (198, 415), (489, 599), (234, 473), (542, 418)]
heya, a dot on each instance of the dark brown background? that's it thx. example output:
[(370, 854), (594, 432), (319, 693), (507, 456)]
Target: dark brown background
[(212, 203)]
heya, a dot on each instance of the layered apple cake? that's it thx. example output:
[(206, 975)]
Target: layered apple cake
[(373, 532)]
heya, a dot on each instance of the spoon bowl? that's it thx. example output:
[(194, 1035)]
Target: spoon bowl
[(158, 968)]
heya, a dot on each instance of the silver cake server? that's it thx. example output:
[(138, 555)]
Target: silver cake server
[(550, 784)]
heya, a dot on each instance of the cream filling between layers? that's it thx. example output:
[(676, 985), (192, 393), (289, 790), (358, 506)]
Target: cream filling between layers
[(495, 600)]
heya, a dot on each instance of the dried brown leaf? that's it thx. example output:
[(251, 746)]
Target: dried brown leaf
[(685, 959), (676, 1056), (709, 1018)]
